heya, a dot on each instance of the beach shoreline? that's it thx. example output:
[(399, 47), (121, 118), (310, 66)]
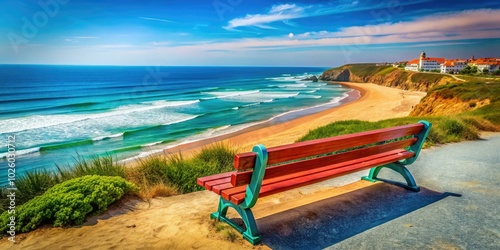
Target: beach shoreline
[(378, 101)]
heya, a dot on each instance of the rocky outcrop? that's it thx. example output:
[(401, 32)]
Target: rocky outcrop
[(434, 104), (336, 75), (396, 79), (312, 78)]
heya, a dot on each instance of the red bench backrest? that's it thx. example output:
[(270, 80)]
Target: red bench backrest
[(245, 162)]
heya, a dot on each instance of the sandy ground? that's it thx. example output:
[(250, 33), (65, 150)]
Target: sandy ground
[(181, 222)]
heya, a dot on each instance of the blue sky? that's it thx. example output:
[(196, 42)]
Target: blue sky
[(244, 32)]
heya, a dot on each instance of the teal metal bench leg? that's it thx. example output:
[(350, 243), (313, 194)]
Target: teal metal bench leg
[(251, 195), (251, 233), (410, 181), (400, 167)]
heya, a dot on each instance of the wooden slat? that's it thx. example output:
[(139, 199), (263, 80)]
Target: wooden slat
[(210, 184), (202, 180), (243, 178), (321, 146), (219, 188), (285, 182), (244, 161)]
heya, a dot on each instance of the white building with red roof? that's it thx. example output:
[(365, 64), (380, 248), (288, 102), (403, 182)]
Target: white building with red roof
[(452, 66), (490, 64), (425, 63)]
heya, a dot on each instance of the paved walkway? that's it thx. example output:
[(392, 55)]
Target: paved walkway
[(457, 208)]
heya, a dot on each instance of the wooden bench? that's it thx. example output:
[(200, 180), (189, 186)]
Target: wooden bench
[(263, 172)]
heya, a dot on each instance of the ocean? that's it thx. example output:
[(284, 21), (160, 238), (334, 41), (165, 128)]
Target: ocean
[(59, 113)]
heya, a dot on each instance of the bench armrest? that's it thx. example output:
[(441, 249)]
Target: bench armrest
[(415, 148), (253, 189)]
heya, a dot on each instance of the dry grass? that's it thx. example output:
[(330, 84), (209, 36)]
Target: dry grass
[(225, 231), (159, 190)]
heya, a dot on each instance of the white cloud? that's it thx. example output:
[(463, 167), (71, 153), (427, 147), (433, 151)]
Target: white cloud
[(77, 39), (286, 12), (285, 7), (156, 19), (480, 19), (86, 37), (290, 35), (162, 43), (471, 24), (281, 12)]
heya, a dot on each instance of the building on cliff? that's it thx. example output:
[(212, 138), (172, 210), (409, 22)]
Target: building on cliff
[(451, 66), (490, 64), (425, 63)]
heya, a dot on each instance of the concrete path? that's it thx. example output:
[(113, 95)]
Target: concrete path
[(457, 208)]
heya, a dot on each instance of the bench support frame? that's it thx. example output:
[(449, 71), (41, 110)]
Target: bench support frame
[(251, 232), (400, 166), (410, 181)]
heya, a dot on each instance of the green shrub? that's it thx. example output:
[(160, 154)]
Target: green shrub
[(183, 173), (69, 202), (34, 183), (455, 130)]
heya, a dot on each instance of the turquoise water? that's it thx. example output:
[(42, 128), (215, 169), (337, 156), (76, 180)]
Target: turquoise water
[(59, 112)]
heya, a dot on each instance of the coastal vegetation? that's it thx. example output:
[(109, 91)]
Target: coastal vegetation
[(49, 193), (67, 203), (89, 186)]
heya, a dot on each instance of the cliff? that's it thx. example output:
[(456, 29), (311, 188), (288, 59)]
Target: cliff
[(457, 98), (385, 76), (435, 104)]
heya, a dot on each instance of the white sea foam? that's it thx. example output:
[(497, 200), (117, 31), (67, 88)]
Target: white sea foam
[(308, 96), (99, 129), (251, 104), (285, 78), (228, 94), (253, 96), (100, 138), (300, 85), (181, 120), (22, 152), (151, 144), (142, 155), (164, 103), (43, 121), (311, 91)]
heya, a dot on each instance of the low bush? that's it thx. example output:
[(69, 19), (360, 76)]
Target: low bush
[(68, 203), (35, 183)]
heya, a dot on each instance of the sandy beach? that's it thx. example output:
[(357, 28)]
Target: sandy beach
[(375, 103), (181, 222)]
